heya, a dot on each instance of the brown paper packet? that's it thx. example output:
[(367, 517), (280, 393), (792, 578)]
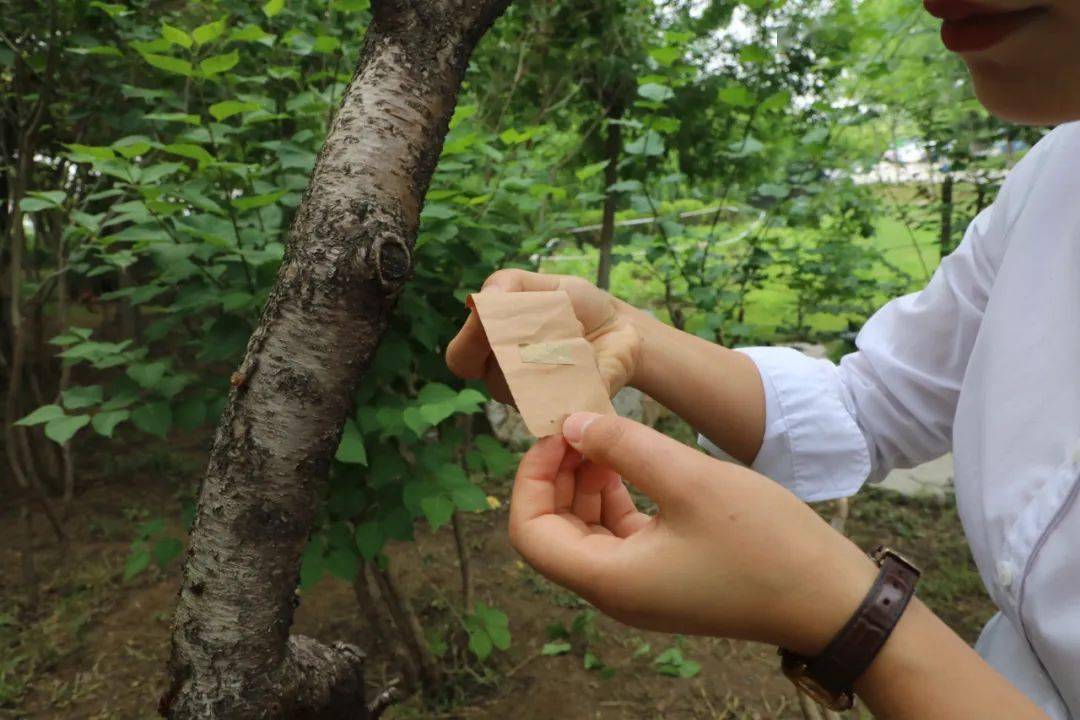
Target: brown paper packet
[(549, 366)]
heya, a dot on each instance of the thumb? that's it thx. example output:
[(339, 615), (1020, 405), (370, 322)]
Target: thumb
[(648, 460)]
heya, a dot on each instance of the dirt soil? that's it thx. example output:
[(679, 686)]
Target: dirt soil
[(90, 645)]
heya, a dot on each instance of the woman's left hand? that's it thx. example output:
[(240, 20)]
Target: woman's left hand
[(729, 553)]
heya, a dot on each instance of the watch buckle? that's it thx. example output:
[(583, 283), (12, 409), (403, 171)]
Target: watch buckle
[(794, 668)]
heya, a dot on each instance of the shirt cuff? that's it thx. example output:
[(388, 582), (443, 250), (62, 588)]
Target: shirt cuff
[(812, 444)]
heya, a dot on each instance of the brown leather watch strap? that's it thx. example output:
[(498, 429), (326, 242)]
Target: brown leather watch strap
[(850, 653)]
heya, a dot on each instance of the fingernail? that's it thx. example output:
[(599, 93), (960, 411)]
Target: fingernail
[(573, 428)]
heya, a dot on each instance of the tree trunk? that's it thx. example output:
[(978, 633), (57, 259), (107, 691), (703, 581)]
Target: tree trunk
[(945, 239), (348, 257), (612, 149)]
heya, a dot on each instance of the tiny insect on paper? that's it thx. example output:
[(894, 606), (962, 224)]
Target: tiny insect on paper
[(549, 366)]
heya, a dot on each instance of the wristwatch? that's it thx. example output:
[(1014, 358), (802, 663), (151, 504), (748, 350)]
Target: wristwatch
[(829, 678)]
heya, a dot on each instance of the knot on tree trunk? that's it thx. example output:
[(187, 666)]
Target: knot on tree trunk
[(390, 260)]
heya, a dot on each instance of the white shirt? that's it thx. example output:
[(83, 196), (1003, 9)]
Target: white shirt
[(984, 361)]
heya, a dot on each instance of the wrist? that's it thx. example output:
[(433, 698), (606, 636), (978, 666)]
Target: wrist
[(649, 331), (838, 581)]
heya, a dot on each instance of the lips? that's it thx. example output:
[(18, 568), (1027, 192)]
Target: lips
[(972, 27)]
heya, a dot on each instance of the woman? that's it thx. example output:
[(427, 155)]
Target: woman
[(984, 361)]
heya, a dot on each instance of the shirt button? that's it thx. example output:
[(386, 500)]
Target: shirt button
[(1005, 573)]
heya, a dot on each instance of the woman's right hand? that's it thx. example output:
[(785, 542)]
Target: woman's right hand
[(610, 325)]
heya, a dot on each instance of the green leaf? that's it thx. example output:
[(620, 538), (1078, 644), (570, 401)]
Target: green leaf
[(480, 644), (137, 561), (250, 202), (469, 498), (351, 448), (559, 647), (122, 399), (326, 44), (148, 375), (436, 392), (624, 186), (166, 549), (30, 205), (228, 108), (312, 565), (500, 637), (591, 661), (369, 539), (736, 95), (208, 32), (498, 459), (650, 144), (106, 421), (341, 562), (273, 7), (133, 149), (155, 47), (111, 9), (175, 35), (42, 200), (216, 64), (81, 396), (190, 151), (352, 5), (512, 136), (96, 50), (437, 509), (250, 33), (153, 418), (469, 400), (774, 190), (43, 414), (149, 528), (753, 54), (666, 55), (169, 64), (777, 100), (436, 413), (689, 669), (62, 429), (414, 420), (174, 117), (82, 153), (655, 92), (589, 170), (815, 136)]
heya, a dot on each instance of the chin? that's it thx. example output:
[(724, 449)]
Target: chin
[(1029, 97)]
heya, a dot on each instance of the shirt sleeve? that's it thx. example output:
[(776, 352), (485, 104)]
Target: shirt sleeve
[(829, 428)]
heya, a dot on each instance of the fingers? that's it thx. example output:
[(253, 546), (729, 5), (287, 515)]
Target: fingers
[(590, 480), (537, 481), (496, 383), (660, 467), (512, 280), (558, 545), (467, 354)]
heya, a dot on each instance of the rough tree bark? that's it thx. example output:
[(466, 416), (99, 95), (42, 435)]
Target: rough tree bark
[(348, 258)]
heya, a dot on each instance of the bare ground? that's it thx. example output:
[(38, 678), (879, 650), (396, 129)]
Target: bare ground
[(90, 645)]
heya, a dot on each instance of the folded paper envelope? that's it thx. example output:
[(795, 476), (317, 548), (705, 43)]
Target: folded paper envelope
[(549, 367)]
